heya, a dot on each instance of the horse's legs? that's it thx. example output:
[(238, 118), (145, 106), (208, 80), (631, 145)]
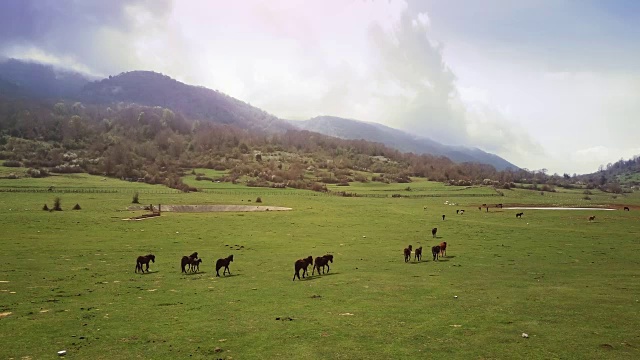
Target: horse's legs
[(147, 267), (228, 270), (217, 273), (328, 267)]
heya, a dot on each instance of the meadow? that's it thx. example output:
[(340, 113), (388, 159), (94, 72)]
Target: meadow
[(67, 278)]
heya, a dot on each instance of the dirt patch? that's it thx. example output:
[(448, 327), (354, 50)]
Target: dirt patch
[(5, 314)]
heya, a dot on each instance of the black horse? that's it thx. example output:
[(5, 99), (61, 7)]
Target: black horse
[(144, 260)]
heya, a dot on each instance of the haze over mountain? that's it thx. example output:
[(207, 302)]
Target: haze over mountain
[(398, 139), (199, 103)]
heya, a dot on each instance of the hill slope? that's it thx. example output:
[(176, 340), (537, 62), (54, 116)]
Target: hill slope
[(198, 103), (398, 139)]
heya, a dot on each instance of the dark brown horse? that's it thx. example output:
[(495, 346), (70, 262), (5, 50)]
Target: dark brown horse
[(418, 254), (189, 260), (329, 259), (407, 253), (144, 260), (591, 218), (443, 249), (224, 263), (435, 250), (434, 231), (320, 262), (626, 208), (302, 264)]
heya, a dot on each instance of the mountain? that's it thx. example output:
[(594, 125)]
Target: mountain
[(39, 80), (198, 103), (398, 139)]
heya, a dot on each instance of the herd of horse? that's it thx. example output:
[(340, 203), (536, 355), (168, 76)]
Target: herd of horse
[(192, 263), (188, 264), (436, 251)]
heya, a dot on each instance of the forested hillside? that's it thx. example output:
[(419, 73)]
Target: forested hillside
[(156, 144)]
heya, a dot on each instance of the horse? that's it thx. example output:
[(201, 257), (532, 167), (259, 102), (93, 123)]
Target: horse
[(461, 212), (329, 259), (418, 254), (194, 265), (626, 208), (144, 260), (442, 217), (188, 260), (320, 262), (224, 263), (499, 206), (443, 249), (480, 208), (434, 231), (592, 218), (457, 211), (435, 250), (519, 215), (302, 264), (407, 253)]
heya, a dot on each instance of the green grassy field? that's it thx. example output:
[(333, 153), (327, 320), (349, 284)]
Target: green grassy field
[(67, 278)]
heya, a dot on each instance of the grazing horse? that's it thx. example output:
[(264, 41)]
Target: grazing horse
[(480, 208), (461, 212), (434, 231), (443, 249), (302, 264), (442, 217), (457, 211), (435, 250), (591, 218), (519, 215), (329, 259), (626, 208), (407, 253), (418, 254), (224, 263), (144, 260)]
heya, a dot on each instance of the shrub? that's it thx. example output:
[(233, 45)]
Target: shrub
[(12, 176), (37, 173), (396, 195), (587, 192), (344, 183), (57, 204), (259, 199), (586, 197), (408, 188), (136, 198), (77, 207), (45, 207), (12, 163)]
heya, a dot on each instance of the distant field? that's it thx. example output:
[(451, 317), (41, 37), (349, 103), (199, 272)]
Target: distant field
[(67, 278)]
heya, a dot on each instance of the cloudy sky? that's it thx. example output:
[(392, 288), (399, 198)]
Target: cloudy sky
[(549, 84)]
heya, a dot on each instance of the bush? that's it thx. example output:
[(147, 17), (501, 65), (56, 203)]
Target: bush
[(12, 163), (57, 204), (586, 197), (77, 207), (45, 207), (37, 173), (136, 198), (587, 192), (396, 195), (12, 176), (259, 199)]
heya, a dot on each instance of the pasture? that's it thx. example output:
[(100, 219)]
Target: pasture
[(67, 278)]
